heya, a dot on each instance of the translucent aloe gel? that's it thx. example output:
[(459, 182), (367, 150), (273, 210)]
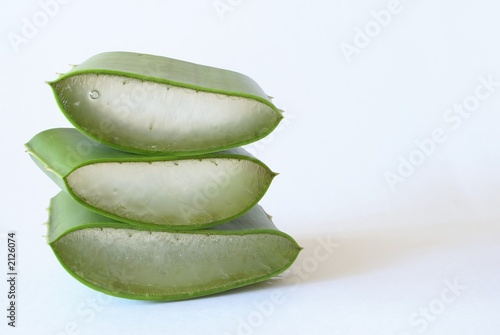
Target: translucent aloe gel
[(129, 262), (160, 191), (150, 104)]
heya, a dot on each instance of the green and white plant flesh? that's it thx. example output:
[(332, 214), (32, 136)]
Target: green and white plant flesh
[(150, 104), (187, 192), (129, 262)]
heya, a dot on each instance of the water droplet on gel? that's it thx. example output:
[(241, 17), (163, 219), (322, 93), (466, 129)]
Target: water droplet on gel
[(94, 94)]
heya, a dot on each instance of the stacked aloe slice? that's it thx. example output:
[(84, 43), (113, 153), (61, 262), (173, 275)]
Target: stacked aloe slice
[(158, 200)]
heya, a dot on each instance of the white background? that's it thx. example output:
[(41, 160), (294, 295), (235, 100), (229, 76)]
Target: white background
[(392, 253)]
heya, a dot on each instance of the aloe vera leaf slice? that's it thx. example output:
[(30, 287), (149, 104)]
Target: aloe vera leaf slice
[(150, 104), (120, 260), (188, 192)]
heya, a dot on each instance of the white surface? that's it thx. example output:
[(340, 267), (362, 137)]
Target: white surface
[(376, 260)]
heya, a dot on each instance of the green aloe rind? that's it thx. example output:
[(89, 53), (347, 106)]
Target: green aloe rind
[(150, 104), (125, 261), (162, 192)]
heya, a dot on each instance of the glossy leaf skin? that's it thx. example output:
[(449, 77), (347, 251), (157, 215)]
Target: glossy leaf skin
[(157, 105), (162, 192), (124, 261)]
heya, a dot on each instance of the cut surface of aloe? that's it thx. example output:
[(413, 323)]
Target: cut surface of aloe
[(151, 104), (188, 192), (120, 260)]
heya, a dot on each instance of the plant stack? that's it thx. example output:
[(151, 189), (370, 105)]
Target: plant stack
[(158, 200)]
